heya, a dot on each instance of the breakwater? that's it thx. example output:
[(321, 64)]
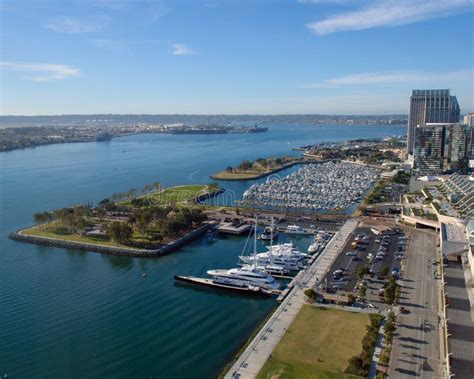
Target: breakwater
[(112, 250)]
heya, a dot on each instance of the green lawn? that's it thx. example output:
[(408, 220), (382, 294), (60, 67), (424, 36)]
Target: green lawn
[(45, 231), (177, 195), (317, 345)]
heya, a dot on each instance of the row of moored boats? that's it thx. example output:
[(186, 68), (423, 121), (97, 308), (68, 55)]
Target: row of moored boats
[(257, 271), (325, 186)]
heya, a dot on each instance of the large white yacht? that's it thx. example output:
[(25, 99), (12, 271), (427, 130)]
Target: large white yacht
[(268, 258), (244, 276), (255, 275)]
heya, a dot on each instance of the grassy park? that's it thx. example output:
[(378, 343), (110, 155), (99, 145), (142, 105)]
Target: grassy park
[(318, 345), (144, 219)]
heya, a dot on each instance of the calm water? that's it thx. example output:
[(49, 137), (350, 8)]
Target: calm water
[(75, 314)]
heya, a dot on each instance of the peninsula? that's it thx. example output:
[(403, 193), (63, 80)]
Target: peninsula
[(143, 223), (248, 170)]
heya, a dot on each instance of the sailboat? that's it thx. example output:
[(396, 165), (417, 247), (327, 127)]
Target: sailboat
[(284, 257), (247, 275)]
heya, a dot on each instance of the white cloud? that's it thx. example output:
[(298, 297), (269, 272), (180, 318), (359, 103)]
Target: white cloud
[(181, 49), (44, 71), (70, 25), (395, 78), (390, 13)]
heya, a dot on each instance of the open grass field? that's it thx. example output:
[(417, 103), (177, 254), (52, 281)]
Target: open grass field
[(177, 195), (317, 345), (43, 231)]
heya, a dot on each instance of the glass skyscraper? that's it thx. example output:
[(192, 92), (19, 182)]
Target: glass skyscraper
[(430, 106), (442, 148)]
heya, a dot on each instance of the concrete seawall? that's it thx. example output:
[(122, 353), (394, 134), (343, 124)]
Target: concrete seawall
[(112, 250)]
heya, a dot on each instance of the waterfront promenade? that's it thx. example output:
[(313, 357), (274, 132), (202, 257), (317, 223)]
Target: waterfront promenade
[(250, 362)]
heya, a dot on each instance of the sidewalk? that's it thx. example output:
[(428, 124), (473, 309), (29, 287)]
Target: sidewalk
[(377, 352)]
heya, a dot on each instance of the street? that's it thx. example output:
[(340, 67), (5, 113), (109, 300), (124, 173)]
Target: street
[(416, 349)]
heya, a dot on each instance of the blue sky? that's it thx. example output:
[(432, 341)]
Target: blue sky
[(234, 57)]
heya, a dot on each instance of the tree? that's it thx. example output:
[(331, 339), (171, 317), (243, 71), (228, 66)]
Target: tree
[(309, 292), (362, 271), (39, 218), (101, 213), (362, 291), (245, 165), (384, 271), (213, 187), (119, 232), (262, 163)]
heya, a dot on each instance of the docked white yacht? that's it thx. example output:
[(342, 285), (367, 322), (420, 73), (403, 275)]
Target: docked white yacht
[(244, 276), (295, 229), (255, 275), (289, 262)]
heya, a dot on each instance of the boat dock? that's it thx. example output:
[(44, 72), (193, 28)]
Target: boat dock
[(233, 228), (204, 282)]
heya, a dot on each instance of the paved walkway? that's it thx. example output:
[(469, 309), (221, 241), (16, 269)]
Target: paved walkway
[(416, 342), (460, 324), (377, 351), (254, 357)]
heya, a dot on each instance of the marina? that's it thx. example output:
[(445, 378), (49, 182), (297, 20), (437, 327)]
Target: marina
[(94, 286), (330, 186), (259, 272)]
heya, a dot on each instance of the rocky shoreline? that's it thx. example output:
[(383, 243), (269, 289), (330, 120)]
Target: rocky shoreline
[(111, 250)]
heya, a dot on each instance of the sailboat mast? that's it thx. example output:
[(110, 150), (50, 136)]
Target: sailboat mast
[(271, 242), (255, 243), (271, 234)]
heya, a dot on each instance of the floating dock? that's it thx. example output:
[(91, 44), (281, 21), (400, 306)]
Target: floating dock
[(209, 283), (232, 228)]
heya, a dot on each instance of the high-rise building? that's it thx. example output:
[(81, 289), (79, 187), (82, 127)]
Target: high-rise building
[(441, 148), (469, 119), (430, 106)]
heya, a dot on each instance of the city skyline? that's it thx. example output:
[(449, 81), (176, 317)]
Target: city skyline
[(224, 57)]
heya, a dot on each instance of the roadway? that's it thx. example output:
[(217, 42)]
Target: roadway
[(416, 350)]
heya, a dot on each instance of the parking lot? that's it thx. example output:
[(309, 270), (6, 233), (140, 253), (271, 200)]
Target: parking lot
[(378, 251)]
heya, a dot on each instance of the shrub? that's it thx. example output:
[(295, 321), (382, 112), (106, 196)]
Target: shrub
[(310, 293)]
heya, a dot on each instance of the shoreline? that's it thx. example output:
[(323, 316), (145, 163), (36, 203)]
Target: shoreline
[(110, 250), (65, 243)]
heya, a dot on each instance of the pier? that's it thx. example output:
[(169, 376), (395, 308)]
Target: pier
[(205, 282), (233, 228), (250, 362)]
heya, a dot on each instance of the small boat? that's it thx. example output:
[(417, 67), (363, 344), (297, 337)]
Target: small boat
[(268, 234), (295, 229)]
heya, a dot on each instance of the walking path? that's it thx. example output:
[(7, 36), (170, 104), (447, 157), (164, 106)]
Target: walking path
[(377, 351), (249, 364)]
